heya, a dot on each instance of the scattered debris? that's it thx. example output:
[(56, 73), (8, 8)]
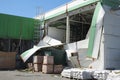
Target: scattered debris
[(100, 74), (114, 75), (66, 72), (79, 73)]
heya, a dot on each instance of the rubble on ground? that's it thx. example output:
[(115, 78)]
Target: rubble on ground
[(78, 73)]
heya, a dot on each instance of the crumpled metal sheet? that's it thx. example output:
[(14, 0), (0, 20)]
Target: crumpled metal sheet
[(45, 43)]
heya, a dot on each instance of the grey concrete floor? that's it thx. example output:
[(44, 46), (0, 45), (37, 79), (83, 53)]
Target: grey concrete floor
[(20, 75)]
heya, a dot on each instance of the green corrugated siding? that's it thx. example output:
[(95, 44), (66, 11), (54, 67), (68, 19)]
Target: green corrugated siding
[(15, 27)]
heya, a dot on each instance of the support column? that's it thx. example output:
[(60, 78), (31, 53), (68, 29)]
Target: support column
[(67, 30), (67, 26)]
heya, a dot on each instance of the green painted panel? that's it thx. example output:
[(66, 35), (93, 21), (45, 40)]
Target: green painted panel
[(93, 30), (16, 27), (59, 55), (112, 3)]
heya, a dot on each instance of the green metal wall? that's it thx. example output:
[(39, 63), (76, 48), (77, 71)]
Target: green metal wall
[(15, 27), (112, 3)]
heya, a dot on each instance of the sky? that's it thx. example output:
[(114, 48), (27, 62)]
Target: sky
[(29, 8)]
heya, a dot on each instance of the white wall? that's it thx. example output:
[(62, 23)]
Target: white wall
[(109, 53), (58, 34)]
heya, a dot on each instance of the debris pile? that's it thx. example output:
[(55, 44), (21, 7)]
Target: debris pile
[(77, 73), (114, 75)]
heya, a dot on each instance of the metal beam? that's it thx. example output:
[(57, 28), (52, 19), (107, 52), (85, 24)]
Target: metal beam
[(79, 22), (80, 10)]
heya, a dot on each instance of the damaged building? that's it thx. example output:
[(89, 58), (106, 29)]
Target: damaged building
[(87, 27), (80, 40), (90, 27)]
